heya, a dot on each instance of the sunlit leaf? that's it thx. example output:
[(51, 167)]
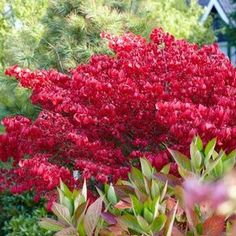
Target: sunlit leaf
[(62, 213), (182, 160), (136, 205), (209, 149), (65, 189), (148, 215), (92, 216), (131, 222), (146, 167), (165, 169), (50, 224), (111, 195), (84, 190), (79, 212), (158, 223), (143, 223)]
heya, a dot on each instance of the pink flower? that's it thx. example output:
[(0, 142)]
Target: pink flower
[(196, 192)]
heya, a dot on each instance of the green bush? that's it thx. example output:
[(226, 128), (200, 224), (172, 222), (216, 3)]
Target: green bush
[(20, 214), (26, 224)]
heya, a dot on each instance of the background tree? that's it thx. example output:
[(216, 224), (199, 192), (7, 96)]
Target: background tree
[(72, 27), (20, 32)]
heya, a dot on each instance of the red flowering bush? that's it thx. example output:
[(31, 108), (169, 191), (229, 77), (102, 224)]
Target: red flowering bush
[(107, 113)]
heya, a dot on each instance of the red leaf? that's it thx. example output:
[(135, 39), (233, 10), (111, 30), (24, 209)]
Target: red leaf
[(123, 204), (214, 226)]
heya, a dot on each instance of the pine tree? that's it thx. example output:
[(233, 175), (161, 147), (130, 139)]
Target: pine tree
[(20, 32), (73, 27)]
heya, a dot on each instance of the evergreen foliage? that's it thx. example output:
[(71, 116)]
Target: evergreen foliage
[(72, 27), (20, 215), (20, 33)]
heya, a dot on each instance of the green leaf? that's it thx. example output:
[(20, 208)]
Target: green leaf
[(62, 213), (228, 165), (68, 203), (111, 195), (218, 169), (61, 195), (231, 155), (65, 189), (84, 190), (79, 212), (229, 161), (6, 165), (136, 177), (147, 185), (185, 173), (146, 167), (92, 216), (81, 230), (199, 228), (143, 223), (148, 215), (165, 169), (131, 222), (196, 157), (198, 142), (50, 224), (156, 202), (164, 191), (136, 205), (158, 223), (209, 149), (182, 160), (79, 200), (155, 191), (75, 193), (213, 164)]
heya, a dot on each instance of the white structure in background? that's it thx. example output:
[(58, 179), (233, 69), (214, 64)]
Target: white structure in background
[(221, 11)]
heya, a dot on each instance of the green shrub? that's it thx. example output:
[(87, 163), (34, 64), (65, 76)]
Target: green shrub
[(26, 224), (20, 214)]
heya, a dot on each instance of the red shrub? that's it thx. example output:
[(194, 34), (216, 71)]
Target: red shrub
[(107, 113)]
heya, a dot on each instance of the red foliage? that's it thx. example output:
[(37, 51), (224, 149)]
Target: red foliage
[(109, 112)]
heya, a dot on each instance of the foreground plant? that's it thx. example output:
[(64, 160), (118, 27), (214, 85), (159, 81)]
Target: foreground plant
[(75, 217), (204, 162), (139, 205), (211, 206), (149, 203)]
